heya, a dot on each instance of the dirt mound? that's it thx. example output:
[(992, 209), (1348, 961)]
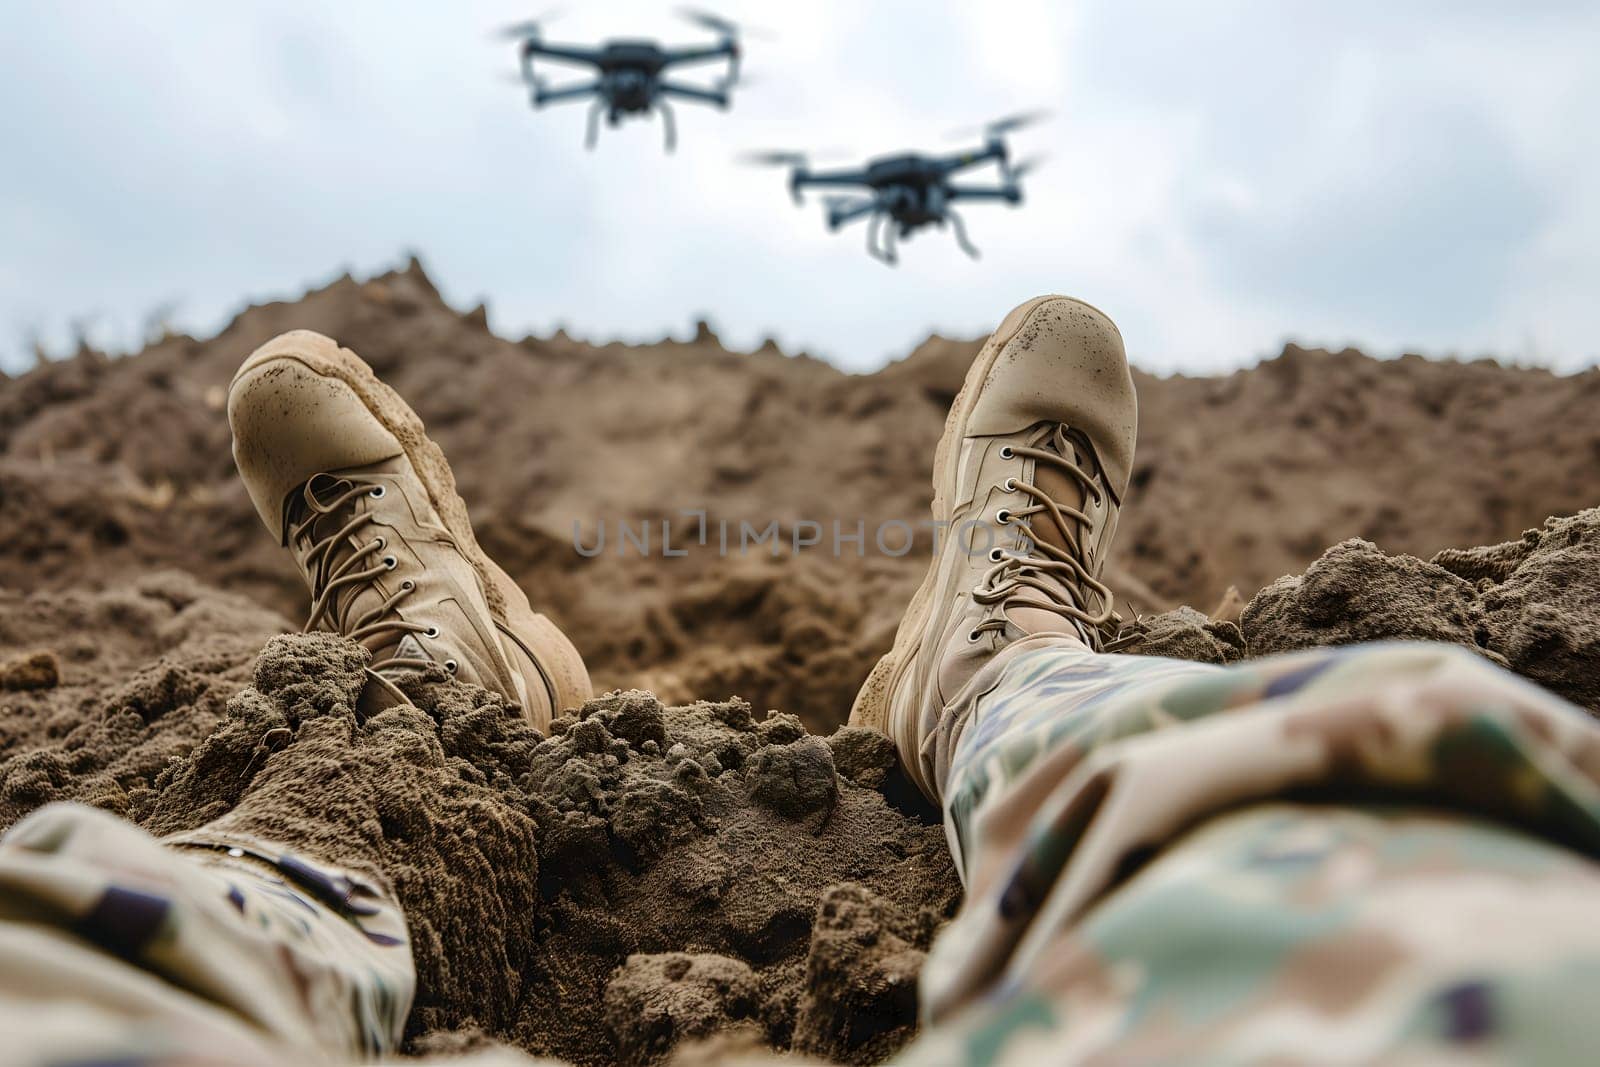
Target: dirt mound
[(111, 467)]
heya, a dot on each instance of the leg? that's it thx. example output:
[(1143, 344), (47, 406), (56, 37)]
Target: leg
[(592, 127), (115, 948), (1123, 818), (1137, 887)]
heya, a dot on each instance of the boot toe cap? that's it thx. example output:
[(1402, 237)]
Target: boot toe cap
[(1064, 363), (290, 422)]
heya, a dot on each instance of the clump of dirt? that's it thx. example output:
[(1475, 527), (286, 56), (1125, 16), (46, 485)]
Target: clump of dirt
[(1356, 592), (1185, 633), (861, 976), (1532, 605), (37, 670), (1541, 597), (654, 1002)]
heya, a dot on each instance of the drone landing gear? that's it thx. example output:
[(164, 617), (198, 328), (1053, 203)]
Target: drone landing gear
[(876, 247), (593, 132), (880, 240), (960, 229), (669, 124)]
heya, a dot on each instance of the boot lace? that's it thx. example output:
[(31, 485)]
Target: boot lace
[(1017, 578), (339, 571)]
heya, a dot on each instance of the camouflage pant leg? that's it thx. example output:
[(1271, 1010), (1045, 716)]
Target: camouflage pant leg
[(115, 947), (1353, 854)]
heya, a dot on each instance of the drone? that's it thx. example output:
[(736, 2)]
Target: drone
[(630, 74), (904, 193)]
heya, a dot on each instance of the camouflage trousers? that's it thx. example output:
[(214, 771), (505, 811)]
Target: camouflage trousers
[(119, 949), (1379, 853)]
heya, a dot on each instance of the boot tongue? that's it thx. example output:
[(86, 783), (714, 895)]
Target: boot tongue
[(352, 601), (1064, 489), (1067, 492)]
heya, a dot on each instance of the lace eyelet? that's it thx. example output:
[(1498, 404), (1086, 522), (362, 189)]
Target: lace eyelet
[(996, 555), (431, 632), (1010, 485), (408, 585), (1006, 452), (1003, 517), (974, 637), (451, 665), (377, 492), (382, 542), (390, 563)]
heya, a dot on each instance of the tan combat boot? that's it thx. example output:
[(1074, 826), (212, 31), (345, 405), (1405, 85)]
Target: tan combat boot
[(1027, 482), (345, 477)]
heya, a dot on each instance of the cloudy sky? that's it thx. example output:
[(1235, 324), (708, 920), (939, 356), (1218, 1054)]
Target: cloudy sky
[(1415, 175)]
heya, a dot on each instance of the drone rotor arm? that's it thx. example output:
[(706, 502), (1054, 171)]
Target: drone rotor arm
[(959, 161), (844, 210), (1010, 193), (693, 92), (543, 95), (674, 57), (830, 177), (560, 53)]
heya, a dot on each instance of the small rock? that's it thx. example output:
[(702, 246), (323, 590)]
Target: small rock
[(861, 977), (654, 1001), (780, 728)]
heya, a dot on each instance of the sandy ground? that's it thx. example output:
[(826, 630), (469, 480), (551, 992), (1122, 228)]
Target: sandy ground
[(660, 869)]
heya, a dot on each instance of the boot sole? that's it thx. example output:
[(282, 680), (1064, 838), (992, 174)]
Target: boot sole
[(507, 602), (872, 703)]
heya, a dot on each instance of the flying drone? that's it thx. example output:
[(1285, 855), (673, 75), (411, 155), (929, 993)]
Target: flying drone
[(630, 74), (903, 193)]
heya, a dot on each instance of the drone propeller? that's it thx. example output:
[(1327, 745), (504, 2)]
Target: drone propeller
[(1016, 122), (773, 158), (1020, 170), (717, 24), (529, 29), (714, 23), (1003, 125), (786, 157)]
